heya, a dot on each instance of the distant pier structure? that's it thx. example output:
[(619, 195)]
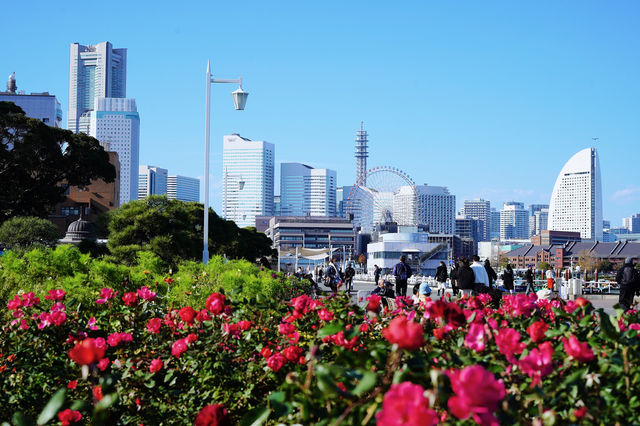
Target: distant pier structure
[(362, 154)]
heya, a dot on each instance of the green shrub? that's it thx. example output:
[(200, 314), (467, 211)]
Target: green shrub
[(22, 232)]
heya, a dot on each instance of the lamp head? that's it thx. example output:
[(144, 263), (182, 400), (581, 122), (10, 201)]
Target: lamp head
[(240, 98)]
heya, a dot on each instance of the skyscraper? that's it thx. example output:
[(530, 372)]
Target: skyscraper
[(436, 208), (362, 142), (116, 124), (576, 201), (632, 223), (152, 180), (539, 221), (514, 221), (305, 191), (247, 179), (94, 71), (183, 188), (479, 209)]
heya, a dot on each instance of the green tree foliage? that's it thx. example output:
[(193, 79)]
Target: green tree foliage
[(172, 230), (22, 232), (36, 158), (543, 266)]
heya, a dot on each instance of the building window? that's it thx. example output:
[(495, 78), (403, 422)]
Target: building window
[(69, 211)]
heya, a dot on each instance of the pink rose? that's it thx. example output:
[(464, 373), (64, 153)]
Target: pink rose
[(509, 344), (178, 348), (215, 303), (105, 295), (292, 353), (56, 295), (475, 338), (103, 364), (276, 361), (130, 299), (187, 314), (325, 314), (406, 334), (538, 363), (537, 331), (581, 352), (156, 365), (154, 325), (405, 404), (476, 393), (146, 294)]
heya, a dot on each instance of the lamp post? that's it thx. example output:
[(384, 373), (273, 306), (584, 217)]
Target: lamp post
[(239, 100)]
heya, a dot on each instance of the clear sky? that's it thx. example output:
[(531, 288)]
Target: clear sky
[(487, 98)]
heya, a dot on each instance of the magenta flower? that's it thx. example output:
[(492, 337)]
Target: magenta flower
[(475, 338), (325, 314), (538, 363), (92, 324), (106, 294), (179, 347), (405, 404), (56, 295), (114, 339), (509, 344), (154, 325), (146, 294), (476, 393), (581, 352)]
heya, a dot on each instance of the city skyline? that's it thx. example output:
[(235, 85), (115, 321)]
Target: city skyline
[(490, 101)]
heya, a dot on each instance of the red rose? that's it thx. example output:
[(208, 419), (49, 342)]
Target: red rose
[(130, 299), (580, 412), (215, 303), (581, 352), (156, 365), (292, 353), (537, 331), (154, 325), (191, 338), (405, 404), (103, 364), (265, 352), (406, 334), (72, 384), (244, 325), (363, 328), (97, 393), (325, 314), (187, 314), (213, 415), (86, 352), (276, 361), (538, 363), (477, 393), (508, 342), (178, 348), (287, 329), (69, 416), (374, 302)]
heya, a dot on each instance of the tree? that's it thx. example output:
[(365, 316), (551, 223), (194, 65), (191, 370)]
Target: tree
[(605, 266), (503, 262), (543, 266), (586, 261), (37, 158), (172, 229), (362, 259), (22, 232)]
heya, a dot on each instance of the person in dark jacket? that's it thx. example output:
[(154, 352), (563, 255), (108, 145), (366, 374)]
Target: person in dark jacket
[(441, 277), (507, 278), (528, 276), (349, 273), (376, 274), (454, 279), (490, 272), (628, 279), (466, 277), (402, 272)]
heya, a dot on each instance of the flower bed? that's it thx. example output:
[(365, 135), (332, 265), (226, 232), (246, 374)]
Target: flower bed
[(131, 357)]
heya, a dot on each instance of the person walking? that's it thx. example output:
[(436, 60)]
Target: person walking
[(481, 276), (349, 273), (466, 278), (507, 278), (441, 277), (332, 276), (528, 276), (628, 279), (376, 273), (453, 275), (550, 277), (402, 272), (491, 273)]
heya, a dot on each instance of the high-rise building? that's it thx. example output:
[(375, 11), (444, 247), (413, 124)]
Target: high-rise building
[(514, 221), (533, 208), (43, 106), (495, 224), (247, 179), (576, 201), (183, 188), (362, 142), (632, 223), (479, 209), (94, 71), (436, 208), (305, 191), (116, 124), (152, 180), (539, 221)]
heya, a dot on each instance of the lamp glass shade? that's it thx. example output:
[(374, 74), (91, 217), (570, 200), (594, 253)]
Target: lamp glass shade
[(240, 98)]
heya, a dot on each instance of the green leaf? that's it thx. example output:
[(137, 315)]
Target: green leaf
[(330, 329), (52, 407), (471, 317), (277, 397), (106, 402), (365, 384), (256, 417), (18, 419), (606, 326), (78, 405)]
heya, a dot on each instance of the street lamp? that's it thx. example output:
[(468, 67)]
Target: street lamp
[(239, 100)]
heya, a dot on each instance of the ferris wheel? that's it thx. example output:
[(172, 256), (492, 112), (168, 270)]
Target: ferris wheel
[(383, 194)]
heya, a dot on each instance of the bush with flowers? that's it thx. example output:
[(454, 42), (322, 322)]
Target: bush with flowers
[(136, 356)]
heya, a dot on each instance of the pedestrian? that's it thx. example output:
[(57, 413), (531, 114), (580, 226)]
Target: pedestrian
[(402, 272), (507, 278), (454, 278), (349, 273), (528, 276), (481, 277), (376, 273), (441, 277), (424, 291), (466, 277), (491, 273), (629, 281), (550, 277), (415, 298), (332, 276)]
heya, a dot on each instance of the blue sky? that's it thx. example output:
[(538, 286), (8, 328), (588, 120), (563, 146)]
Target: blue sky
[(487, 98)]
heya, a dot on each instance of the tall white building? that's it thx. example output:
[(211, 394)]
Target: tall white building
[(247, 179), (94, 71), (539, 221), (183, 188), (152, 180), (576, 201), (632, 223), (305, 191), (514, 221), (436, 207), (479, 209), (116, 124)]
